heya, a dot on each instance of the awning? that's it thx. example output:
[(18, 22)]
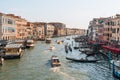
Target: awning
[(112, 49)]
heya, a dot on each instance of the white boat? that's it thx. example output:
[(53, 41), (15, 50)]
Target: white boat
[(21, 41), (30, 43), (55, 61), (52, 48)]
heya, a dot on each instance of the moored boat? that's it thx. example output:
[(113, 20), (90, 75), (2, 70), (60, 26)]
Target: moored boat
[(1, 60), (12, 51), (23, 42), (55, 61), (48, 40), (86, 59)]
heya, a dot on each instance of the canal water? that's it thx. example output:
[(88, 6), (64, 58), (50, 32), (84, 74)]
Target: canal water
[(35, 65)]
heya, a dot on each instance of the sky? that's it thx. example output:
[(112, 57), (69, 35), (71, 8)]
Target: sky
[(73, 13)]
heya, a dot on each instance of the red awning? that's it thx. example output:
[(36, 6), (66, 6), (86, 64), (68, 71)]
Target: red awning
[(110, 48)]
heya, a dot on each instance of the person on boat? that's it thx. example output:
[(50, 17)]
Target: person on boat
[(70, 48)]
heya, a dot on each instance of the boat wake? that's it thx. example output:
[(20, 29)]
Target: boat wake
[(55, 69), (65, 75)]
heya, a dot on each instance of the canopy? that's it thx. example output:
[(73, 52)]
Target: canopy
[(112, 49)]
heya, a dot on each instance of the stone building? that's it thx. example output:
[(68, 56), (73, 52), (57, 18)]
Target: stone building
[(29, 30), (21, 24), (60, 28), (39, 30), (49, 30), (7, 27)]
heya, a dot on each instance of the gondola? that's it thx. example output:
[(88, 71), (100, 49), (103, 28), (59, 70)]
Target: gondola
[(66, 49), (85, 60)]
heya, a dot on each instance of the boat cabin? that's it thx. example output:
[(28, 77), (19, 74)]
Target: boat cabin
[(55, 61), (30, 43), (13, 51)]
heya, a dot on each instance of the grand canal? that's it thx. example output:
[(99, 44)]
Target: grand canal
[(35, 65)]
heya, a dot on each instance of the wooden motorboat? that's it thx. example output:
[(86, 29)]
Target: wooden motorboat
[(13, 51), (55, 61), (30, 43)]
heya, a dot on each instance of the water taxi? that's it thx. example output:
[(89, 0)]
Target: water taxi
[(55, 61), (52, 48), (12, 51), (30, 43)]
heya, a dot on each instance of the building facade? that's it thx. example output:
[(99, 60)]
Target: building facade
[(7, 27)]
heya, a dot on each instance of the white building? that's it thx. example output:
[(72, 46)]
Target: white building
[(7, 27)]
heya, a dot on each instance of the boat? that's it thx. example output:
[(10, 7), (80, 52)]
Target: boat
[(48, 40), (1, 60), (116, 71), (66, 48), (76, 47), (90, 53), (67, 38), (85, 59), (20, 41), (30, 43), (52, 48), (13, 51), (70, 48), (55, 61)]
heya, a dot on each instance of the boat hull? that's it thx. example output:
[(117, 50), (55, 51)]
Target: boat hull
[(81, 60), (12, 56)]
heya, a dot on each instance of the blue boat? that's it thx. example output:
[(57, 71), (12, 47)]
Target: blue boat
[(116, 72)]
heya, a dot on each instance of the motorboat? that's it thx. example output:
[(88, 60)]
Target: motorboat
[(52, 48), (30, 43), (55, 61)]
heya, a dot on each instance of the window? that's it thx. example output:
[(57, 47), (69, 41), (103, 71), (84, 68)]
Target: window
[(0, 21), (10, 21), (113, 30), (117, 30)]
